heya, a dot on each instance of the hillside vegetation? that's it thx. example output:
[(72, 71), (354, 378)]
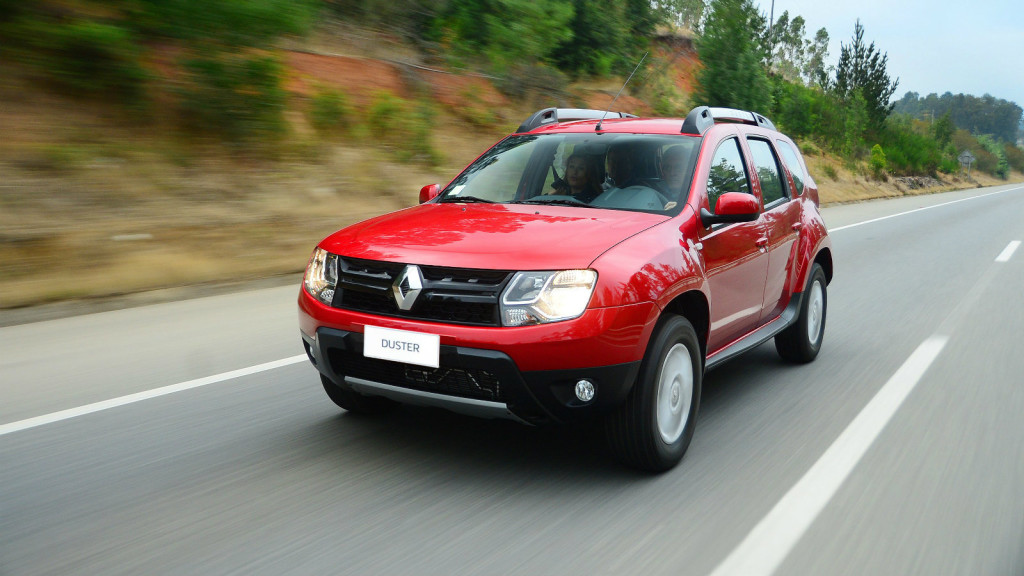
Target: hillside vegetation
[(153, 143)]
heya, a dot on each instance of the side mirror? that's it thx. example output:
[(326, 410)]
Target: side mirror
[(731, 207), (429, 192)]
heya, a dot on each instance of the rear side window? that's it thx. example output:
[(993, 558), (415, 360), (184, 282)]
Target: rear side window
[(768, 171), (727, 172), (794, 165)]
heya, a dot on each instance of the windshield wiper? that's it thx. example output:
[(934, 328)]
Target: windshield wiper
[(466, 199), (559, 201)]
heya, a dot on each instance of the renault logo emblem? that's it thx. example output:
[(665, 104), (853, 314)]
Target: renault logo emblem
[(407, 287)]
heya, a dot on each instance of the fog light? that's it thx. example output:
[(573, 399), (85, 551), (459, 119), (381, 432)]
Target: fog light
[(585, 390), (327, 296)]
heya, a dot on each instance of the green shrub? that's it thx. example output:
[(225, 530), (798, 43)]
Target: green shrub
[(1002, 166), (949, 165), (418, 146), (330, 111), (877, 162), (385, 116), (809, 148), (404, 126), (830, 171), (907, 151), (475, 110), (602, 64), (84, 58), (238, 97), (1014, 156)]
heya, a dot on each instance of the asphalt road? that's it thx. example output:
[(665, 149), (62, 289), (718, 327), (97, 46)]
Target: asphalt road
[(900, 450)]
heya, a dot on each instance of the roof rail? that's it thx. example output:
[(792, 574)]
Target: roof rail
[(703, 117), (555, 115)]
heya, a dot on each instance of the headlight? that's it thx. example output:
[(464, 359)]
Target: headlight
[(542, 297), (322, 275)]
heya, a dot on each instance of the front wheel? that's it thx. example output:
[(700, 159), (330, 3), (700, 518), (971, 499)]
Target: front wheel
[(802, 341), (653, 427)]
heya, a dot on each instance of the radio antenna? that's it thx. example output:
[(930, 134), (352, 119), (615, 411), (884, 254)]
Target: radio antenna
[(598, 127)]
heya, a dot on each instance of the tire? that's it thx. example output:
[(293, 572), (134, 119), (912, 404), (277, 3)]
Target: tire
[(653, 427), (354, 402), (802, 341)]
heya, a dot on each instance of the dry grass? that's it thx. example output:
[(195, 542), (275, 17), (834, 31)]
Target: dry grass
[(87, 209)]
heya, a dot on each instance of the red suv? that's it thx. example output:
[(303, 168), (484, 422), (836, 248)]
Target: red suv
[(591, 265)]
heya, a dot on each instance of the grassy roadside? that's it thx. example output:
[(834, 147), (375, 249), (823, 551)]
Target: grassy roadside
[(221, 222), (838, 184)]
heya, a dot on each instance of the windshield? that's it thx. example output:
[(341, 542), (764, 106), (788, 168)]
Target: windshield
[(643, 172)]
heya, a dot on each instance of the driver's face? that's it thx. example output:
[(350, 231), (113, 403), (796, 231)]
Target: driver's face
[(575, 173), (618, 165)]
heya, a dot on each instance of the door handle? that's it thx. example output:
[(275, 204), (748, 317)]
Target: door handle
[(798, 225), (761, 242)]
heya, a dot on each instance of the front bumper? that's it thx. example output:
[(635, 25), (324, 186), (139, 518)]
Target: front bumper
[(479, 382)]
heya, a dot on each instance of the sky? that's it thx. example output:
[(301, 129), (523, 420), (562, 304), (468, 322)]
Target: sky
[(974, 47)]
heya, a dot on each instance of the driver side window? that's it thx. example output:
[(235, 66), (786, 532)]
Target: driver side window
[(728, 172)]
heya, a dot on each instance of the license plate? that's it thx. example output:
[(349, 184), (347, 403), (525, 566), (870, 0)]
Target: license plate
[(402, 346)]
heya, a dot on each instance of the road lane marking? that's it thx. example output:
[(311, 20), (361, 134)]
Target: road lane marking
[(1007, 252), (855, 224), (769, 543), (145, 395)]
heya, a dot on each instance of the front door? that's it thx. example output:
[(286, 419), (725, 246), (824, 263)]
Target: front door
[(735, 255)]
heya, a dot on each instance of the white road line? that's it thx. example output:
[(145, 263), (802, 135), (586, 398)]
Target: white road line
[(139, 396), (1007, 252), (855, 224), (768, 544)]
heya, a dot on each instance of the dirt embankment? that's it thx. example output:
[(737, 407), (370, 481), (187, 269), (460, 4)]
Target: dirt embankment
[(92, 207)]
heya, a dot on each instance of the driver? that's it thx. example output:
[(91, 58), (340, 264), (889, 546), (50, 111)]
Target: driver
[(581, 178)]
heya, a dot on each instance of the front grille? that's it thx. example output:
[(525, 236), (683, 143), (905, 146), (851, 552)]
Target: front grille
[(450, 295), (449, 380)]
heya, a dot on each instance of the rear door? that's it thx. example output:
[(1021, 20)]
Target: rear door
[(781, 223)]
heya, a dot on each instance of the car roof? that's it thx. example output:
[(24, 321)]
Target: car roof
[(697, 122), (616, 126)]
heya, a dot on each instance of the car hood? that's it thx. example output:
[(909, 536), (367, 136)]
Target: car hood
[(490, 236)]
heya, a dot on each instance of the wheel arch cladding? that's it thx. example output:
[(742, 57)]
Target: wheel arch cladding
[(824, 259), (693, 305)]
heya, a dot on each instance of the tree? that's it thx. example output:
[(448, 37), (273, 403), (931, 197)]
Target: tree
[(816, 54), (862, 70), (609, 35), (729, 50), (686, 13), (786, 47), (526, 29), (943, 129), (984, 115), (506, 31), (228, 22), (598, 38)]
